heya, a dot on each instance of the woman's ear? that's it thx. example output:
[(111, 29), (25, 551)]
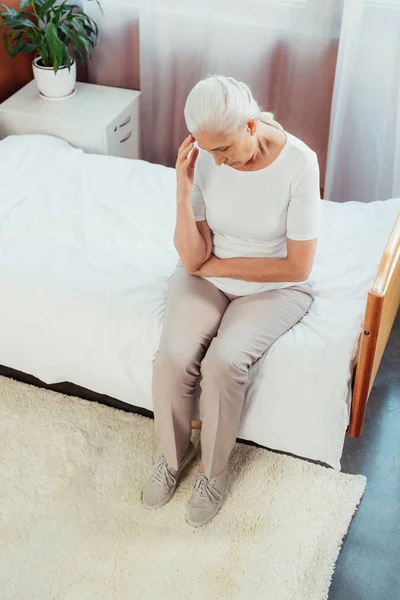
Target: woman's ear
[(252, 126)]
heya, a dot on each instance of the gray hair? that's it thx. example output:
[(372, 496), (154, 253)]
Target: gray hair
[(223, 104)]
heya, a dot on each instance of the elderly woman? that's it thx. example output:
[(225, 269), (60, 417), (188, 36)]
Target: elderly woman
[(248, 205)]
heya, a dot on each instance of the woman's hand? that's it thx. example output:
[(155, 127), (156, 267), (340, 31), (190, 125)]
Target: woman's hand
[(211, 268), (185, 168)]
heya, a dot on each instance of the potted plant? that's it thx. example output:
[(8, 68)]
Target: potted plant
[(49, 29)]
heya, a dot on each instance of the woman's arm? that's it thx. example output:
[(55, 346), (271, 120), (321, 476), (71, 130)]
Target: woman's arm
[(302, 229), (295, 267), (192, 240)]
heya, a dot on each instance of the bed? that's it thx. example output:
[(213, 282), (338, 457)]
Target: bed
[(85, 254)]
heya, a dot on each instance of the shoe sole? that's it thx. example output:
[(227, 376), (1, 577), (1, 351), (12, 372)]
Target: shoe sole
[(210, 518), (186, 461)]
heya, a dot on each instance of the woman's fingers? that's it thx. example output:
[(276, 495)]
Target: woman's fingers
[(186, 141), (184, 155), (185, 148), (192, 158)]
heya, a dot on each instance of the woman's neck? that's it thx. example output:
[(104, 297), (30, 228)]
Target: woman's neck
[(270, 142)]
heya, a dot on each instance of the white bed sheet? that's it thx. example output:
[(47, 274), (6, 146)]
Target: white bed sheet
[(85, 254)]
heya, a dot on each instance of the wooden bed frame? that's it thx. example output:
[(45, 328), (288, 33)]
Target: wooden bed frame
[(382, 306)]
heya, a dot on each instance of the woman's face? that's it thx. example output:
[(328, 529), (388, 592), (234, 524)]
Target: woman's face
[(234, 149)]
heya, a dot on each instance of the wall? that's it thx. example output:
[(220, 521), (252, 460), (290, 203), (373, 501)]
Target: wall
[(13, 73)]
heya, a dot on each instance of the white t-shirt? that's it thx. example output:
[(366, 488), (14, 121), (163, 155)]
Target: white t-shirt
[(250, 213)]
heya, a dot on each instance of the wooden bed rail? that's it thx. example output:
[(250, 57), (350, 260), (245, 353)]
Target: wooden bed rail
[(382, 306)]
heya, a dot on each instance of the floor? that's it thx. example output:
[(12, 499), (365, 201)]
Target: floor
[(368, 567)]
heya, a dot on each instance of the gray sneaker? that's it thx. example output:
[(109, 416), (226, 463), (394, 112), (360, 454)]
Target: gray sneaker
[(162, 483), (206, 499)]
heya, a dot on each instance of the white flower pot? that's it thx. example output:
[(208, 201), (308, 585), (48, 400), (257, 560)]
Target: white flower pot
[(53, 85)]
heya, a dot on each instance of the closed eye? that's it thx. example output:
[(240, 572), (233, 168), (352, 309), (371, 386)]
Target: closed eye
[(217, 149)]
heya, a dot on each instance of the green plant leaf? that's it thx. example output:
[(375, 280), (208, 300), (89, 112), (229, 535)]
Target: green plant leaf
[(78, 54), (6, 40), (79, 45), (66, 9), (24, 4), (18, 22), (16, 42), (88, 23), (55, 46), (83, 38), (67, 60), (31, 48), (44, 52), (50, 31), (17, 45), (43, 10), (10, 11), (73, 39)]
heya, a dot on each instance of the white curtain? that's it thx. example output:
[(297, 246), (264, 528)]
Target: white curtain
[(287, 51), (284, 49), (364, 144), (115, 61)]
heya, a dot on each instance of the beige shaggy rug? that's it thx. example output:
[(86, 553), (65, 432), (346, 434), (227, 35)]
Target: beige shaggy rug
[(72, 526)]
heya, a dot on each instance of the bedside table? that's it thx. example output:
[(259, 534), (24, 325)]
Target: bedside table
[(98, 119)]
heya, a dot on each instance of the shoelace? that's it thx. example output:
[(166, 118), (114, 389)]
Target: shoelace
[(162, 474), (203, 490)]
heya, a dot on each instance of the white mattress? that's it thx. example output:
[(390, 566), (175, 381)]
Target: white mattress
[(85, 253)]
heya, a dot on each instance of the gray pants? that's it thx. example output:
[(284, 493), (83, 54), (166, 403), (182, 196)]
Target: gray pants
[(206, 331)]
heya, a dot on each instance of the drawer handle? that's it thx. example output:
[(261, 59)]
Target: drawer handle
[(126, 122), (126, 138)]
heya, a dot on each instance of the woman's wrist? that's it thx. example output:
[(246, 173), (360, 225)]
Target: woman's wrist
[(183, 198)]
